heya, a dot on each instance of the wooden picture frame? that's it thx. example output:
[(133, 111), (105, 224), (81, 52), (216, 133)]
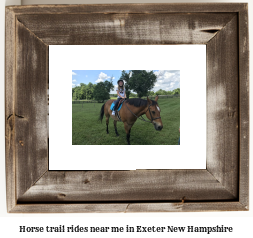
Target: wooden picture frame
[(222, 186)]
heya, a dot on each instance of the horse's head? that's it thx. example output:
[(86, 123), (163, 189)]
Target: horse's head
[(153, 114)]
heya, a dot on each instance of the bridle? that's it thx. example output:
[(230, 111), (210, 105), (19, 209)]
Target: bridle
[(152, 119)]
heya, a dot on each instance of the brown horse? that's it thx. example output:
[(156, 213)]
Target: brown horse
[(131, 110)]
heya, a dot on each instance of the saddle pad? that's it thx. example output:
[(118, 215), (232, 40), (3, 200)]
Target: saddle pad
[(112, 106)]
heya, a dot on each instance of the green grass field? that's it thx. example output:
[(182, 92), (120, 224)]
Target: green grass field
[(87, 130)]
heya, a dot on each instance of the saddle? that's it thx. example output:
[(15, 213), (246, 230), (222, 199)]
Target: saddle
[(119, 104), (117, 107)]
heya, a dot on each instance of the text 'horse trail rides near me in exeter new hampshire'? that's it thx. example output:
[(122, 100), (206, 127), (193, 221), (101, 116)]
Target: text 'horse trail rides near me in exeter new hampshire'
[(131, 110)]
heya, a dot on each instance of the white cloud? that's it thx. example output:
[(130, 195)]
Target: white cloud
[(73, 73), (73, 80), (101, 77), (86, 76), (99, 80), (75, 85), (167, 80)]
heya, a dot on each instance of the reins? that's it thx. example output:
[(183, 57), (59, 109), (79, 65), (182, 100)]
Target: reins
[(152, 119)]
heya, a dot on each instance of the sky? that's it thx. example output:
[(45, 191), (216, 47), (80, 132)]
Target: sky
[(167, 80)]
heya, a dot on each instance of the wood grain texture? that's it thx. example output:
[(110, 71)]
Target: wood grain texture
[(154, 8), (186, 207), (129, 207), (222, 187), (130, 29), (223, 107), (244, 106), (140, 185), (9, 108), (30, 109)]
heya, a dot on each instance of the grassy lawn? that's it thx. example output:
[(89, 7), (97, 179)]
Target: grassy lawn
[(87, 130)]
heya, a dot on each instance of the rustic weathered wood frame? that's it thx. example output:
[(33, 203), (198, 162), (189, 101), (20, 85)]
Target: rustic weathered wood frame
[(223, 186)]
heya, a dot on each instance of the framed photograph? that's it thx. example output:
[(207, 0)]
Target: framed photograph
[(88, 119), (46, 44)]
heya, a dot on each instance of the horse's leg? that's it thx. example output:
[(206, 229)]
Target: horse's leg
[(115, 127), (107, 123), (127, 130), (107, 118)]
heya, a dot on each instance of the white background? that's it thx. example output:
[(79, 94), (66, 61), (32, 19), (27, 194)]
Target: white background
[(191, 154), (241, 221)]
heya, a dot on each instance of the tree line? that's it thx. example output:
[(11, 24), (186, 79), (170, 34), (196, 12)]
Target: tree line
[(153, 93), (139, 81), (99, 91)]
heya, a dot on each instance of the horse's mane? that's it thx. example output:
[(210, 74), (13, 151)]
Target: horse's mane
[(138, 102)]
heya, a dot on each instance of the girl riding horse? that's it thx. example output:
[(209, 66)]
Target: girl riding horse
[(121, 94)]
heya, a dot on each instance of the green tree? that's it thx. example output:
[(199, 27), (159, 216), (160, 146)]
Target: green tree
[(109, 85), (89, 90), (161, 92), (82, 92), (102, 91), (77, 93), (140, 81), (169, 93), (176, 91), (133, 95), (151, 93)]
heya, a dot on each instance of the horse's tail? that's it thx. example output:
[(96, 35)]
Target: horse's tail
[(101, 114)]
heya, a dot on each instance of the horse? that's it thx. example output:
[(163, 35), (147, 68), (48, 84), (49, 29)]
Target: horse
[(131, 110)]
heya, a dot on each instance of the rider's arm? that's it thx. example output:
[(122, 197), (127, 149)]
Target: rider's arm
[(119, 94)]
